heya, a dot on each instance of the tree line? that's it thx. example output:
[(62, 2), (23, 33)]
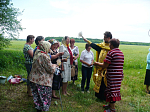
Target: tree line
[(80, 40)]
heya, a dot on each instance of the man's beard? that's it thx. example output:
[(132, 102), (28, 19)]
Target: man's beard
[(106, 41)]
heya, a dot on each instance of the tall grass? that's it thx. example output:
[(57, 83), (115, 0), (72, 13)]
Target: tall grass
[(134, 97)]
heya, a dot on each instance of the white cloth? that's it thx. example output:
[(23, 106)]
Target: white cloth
[(66, 74), (75, 52), (87, 56)]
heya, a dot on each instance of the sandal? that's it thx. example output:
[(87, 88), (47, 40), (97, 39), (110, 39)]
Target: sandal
[(106, 106), (110, 110), (148, 92)]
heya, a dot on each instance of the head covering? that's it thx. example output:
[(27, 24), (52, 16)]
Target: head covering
[(43, 47), (52, 41), (63, 42)]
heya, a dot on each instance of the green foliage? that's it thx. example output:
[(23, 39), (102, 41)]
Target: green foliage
[(4, 42), (9, 59), (10, 26)]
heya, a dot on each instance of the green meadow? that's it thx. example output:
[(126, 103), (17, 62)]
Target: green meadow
[(13, 98)]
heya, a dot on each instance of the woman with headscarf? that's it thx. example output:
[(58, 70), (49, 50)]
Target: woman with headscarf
[(66, 71), (55, 58), (41, 77)]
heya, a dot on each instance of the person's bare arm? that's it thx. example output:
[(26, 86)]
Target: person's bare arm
[(55, 56), (103, 65), (62, 67), (30, 52), (76, 57)]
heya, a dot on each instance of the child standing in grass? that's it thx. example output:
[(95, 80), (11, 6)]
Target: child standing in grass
[(147, 76), (114, 63)]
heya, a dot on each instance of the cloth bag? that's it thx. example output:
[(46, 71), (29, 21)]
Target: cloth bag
[(72, 70)]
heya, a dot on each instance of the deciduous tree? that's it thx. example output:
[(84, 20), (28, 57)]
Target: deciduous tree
[(9, 24)]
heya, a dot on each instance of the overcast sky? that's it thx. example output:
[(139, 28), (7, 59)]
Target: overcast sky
[(127, 20)]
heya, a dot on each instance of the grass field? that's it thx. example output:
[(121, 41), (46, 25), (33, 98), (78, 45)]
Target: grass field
[(13, 98)]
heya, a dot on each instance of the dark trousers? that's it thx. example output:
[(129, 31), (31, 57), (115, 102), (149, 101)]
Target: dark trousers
[(86, 74), (28, 67)]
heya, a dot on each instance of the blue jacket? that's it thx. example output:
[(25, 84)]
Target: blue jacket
[(148, 61)]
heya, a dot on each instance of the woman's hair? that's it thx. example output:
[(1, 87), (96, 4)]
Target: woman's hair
[(38, 38), (108, 34), (72, 41), (29, 37), (86, 46), (114, 42)]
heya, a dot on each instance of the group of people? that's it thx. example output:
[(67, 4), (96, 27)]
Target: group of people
[(42, 62)]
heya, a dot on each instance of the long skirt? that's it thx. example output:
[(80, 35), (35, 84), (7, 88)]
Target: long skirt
[(147, 77), (41, 96)]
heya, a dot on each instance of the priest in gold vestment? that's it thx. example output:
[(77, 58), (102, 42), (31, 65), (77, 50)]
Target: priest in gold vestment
[(99, 74)]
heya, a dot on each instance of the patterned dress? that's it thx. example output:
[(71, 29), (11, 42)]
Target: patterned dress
[(114, 74)]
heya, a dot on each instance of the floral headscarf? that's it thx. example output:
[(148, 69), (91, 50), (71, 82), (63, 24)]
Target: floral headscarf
[(53, 41), (43, 47)]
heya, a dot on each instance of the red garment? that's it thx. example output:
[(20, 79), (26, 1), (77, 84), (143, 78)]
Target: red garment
[(41, 51), (71, 56), (114, 74)]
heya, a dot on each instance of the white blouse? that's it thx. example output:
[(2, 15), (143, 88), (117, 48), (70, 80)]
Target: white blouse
[(87, 56)]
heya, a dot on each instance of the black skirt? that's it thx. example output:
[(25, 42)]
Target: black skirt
[(147, 77)]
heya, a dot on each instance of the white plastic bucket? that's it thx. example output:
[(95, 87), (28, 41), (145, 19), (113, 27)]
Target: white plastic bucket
[(2, 79)]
